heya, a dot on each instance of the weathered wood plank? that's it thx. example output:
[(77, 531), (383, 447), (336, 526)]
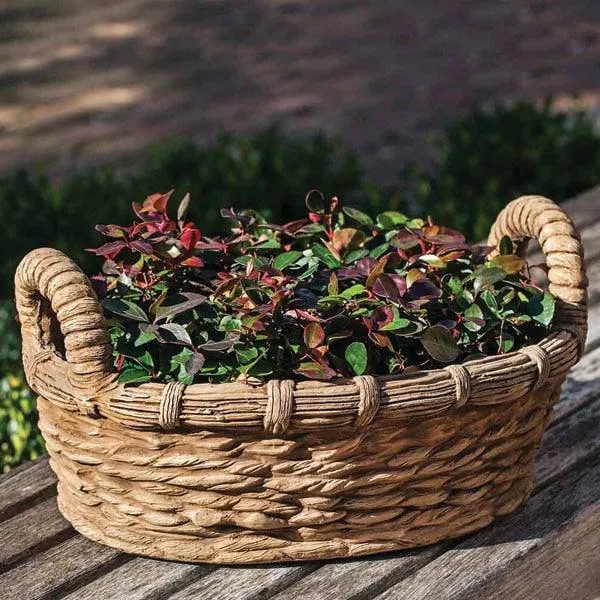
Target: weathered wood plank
[(66, 566), (566, 566), (244, 583), (593, 273), (26, 485), (141, 579), (580, 385), (31, 531), (482, 564)]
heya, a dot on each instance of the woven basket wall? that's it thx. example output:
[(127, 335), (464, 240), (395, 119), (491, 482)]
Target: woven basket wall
[(231, 473)]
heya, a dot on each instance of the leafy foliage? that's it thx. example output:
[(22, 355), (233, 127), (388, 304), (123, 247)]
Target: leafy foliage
[(335, 294), (20, 438), (490, 157)]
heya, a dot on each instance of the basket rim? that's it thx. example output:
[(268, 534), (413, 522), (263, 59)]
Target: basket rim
[(313, 404)]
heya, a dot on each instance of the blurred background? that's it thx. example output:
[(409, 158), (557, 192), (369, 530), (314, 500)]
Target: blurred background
[(442, 108)]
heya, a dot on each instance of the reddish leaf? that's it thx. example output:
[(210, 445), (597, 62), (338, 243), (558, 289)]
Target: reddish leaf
[(314, 335), (189, 237), (114, 231), (110, 249), (313, 370), (406, 239), (156, 203), (193, 261), (391, 286), (437, 234), (422, 291), (142, 247), (377, 270)]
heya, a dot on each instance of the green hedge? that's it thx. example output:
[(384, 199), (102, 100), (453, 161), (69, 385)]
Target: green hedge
[(270, 172), (490, 157), (485, 160)]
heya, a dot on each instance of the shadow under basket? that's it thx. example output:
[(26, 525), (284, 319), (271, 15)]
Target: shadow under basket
[(233, 473)]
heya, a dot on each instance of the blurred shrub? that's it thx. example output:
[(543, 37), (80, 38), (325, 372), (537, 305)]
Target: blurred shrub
[(270, 172), (489, 158), (20, 438)]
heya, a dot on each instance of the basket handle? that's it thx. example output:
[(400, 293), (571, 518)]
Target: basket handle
[(540, 218), (60, 313)]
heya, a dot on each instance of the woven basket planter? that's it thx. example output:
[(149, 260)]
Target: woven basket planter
[(232, 473)]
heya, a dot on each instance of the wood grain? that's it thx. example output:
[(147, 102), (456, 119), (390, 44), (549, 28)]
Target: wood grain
[(25, 486), (239, 583), (31, 531), (66, 566), (141, 579)]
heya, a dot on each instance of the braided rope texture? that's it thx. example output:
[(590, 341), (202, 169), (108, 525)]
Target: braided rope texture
[(233, 498), (232, 473)]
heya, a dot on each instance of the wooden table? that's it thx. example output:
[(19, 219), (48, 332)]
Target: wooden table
[(549, 549)]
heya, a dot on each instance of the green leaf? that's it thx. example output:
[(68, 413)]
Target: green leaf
[(354, 290), (391, 220), (473, 318), (397, 324), (286, 259), (439, 344), (230, 323), (490, 301), (541, 308), (325, 256), (145, 359), (454, 285), (125, 308), (143, 338), (358, 216), (133, 375), (487, 276), (505, 246), (271, 243), (355, 255), (379, 251), (181, 358), (246, 355), (506, 342), (356, 357)]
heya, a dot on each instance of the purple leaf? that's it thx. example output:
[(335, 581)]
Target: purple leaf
[(178, 303)]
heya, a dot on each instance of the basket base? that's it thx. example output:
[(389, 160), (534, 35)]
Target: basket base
[(235, 548)]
